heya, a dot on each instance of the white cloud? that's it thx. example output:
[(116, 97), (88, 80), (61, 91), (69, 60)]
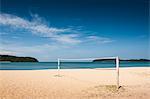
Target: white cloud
[(68, 39), (37, 26), (99, 39)]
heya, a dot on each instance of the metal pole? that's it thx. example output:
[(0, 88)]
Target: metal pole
[(117, 70), (58, 64)]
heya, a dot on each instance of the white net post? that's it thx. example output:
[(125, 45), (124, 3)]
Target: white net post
[(117, 70), (58, 63), (58, 66)]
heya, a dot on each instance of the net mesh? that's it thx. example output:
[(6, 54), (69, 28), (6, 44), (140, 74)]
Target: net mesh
[(87, 63)]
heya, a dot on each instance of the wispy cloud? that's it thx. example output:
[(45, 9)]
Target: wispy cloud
[(38, 27), (68, 38), (99, 39)]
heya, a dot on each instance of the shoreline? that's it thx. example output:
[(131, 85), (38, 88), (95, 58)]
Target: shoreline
[(74, 68)]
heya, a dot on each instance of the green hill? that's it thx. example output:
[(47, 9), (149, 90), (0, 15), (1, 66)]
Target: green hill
[(11, 58)]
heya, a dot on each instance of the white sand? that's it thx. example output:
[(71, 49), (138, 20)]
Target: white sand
[(74, 84)]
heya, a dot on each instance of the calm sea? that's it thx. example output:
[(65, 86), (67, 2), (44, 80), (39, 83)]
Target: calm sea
[(67, 65)]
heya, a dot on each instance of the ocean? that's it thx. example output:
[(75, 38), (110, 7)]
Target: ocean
[(67, 65)]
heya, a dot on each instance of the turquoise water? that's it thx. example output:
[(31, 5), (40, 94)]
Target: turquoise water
[(67, 65)]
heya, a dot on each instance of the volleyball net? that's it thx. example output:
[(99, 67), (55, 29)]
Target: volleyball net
[(65, 63)]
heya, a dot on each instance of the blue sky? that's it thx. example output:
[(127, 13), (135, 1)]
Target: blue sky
[(51, 29)]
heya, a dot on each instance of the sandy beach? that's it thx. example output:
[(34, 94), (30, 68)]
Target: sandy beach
[(75, 84)]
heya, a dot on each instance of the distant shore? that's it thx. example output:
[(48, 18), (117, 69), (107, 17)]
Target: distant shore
[(124, 60), (11, 58), (75, 83)]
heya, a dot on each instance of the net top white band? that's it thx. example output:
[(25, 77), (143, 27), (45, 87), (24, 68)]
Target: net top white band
[(89, 58)]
